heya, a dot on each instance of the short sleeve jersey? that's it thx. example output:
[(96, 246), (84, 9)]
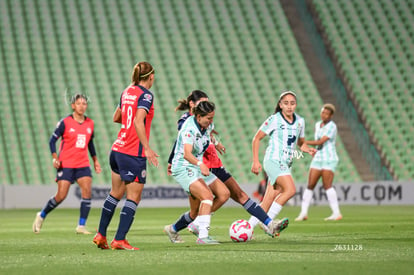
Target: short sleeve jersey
[(132, 99), (210, 157), (191, 133), (283, 136), (73, 150), (326, 151)]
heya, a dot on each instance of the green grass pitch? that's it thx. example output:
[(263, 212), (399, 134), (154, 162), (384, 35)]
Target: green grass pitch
[(369, 240)]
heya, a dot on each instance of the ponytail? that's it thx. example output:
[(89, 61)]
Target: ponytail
[(184, 104), (141, 71)]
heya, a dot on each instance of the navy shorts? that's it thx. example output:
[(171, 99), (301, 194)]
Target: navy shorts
[(221, 173), (130, 168), (73, 174)]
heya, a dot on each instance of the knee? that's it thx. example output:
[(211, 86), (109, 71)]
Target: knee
[(116, 195), (60, 197), (291, 191), (206, 196), (224, 195), (86, 193)]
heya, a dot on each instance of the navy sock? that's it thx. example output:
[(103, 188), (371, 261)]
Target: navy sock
[(256, 210), (182, 222), (85, 207), (108, 210), (50, 205), (126, 219)]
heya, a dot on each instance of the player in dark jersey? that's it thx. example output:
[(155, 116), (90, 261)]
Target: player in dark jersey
[(129, 155), (72, 164)]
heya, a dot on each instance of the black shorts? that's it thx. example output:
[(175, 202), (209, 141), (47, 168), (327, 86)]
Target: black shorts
[(73, 174), (221, 173), (130, 168)]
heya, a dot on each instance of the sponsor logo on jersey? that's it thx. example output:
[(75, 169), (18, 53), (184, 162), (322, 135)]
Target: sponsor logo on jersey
[(148, 97)]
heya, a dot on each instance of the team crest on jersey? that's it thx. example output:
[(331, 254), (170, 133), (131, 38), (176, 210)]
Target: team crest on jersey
[(148, 97), (89, 130), (190, 172), (143, 173)]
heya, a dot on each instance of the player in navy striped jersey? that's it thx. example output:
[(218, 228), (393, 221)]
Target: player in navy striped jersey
[(72, 164), (323, 165)]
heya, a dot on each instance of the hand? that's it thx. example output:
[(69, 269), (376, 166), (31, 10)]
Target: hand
[(169, 172), (256, 167), (220, 148), (312, 151), (205, 171), (152, 157), (97, 167), (56, 163)]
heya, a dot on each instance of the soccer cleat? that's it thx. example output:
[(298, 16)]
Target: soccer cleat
[(80, 229), (334, 217), (37, 224), (277, 226), (268, 230), (122, 245), (174, 236), (100, 241), (301, 218), (207, 240), (193, 228)]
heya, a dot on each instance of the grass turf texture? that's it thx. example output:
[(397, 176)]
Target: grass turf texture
[(369, 240)]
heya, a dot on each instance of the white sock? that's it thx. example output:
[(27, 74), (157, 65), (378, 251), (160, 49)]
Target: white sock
[(306, 199), (333, 201), (274, 210), (253, 221), (196, 221), (204, 225)]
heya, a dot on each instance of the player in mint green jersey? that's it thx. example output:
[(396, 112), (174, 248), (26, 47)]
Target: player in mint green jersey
[(191, 173), (286, 131), (323, 164)]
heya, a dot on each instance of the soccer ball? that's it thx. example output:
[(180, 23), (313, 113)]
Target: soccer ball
[(241, 231)]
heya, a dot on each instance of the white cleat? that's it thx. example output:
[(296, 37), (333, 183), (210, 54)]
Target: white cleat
[(275, 227), (334, 217), (80, 229), (37, 224), (174, 236)]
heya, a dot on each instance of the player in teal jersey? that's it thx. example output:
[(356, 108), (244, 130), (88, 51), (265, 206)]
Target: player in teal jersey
[(286, 130), (323, 164), (189, 170)]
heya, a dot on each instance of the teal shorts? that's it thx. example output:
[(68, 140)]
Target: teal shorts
[(275, 168), (185, 176), (324, 164)]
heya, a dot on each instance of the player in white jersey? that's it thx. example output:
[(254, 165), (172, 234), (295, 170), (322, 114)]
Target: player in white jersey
[(189, 170), (323, 164), (286, 130)]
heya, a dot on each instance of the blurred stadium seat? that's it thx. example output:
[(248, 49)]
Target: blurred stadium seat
[(242, 53), (373, 43)]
